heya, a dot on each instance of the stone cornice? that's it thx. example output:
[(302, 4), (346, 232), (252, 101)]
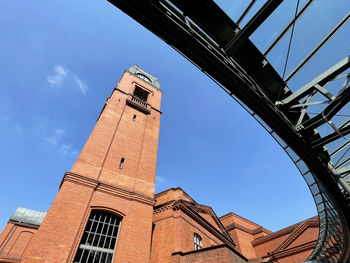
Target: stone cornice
[(10, 259), (183, 206), (245, 220), (209, 248), (281, 232), (291, 251), (297, 232), (210, 211), (175, 189), (240, 227), (245, 229), (106, 188), (274, 235), (23, 224)]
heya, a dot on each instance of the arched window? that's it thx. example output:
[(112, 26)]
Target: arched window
[(197, 241), (99, 238)]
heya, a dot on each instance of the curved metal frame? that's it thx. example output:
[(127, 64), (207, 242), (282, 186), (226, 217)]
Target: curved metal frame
[(205, 35)]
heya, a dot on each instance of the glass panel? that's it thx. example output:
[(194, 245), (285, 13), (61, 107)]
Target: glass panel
[(279, 140), (292, 154), (275, 24), (320, 207), (314, 189), (309, 178), (311, 29), (302, 167), (257, 6), (331, 53), (262, 123), (233, 9)]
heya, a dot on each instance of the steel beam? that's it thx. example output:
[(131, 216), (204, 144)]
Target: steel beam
[(246, 11), (321, 80), (328, 113), (331, 137), (238, 40)]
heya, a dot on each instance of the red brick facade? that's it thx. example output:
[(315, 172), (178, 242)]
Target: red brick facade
[(127, 128), (176, 218), (115, 172), (292, 244), (14, 240)]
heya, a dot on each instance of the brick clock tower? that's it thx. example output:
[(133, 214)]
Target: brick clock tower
[(103, 210)]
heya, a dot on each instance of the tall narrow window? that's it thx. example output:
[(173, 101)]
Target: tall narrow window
[(197, 241), (121, 164), (134, 117), (99, 238)]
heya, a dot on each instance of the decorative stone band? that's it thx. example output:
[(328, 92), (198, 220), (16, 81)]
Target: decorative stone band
[(243, 228), (297, 232), (10, 259), (106, 188), (180, 205), (198, 251), (292, 251), (274, 235), (24, 225)]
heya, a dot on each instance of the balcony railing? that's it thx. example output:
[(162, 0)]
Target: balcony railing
[(138, 104)]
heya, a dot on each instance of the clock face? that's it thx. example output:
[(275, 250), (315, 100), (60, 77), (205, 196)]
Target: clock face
[(141, 76)]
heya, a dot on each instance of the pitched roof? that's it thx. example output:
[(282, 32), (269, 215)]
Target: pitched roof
[(28, 216)]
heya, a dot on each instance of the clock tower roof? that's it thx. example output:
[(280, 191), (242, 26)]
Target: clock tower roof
[(145, 76)]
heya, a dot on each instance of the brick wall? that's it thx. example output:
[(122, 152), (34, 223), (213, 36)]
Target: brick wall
[(177, 217), (14, 240)]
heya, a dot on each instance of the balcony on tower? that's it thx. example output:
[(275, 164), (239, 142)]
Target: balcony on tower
[(138, 100)]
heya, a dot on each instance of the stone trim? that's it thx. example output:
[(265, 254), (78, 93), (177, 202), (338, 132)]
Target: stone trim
[(274, 235), (174, 189), (209, 210), (245, 220), (279, 233), (181, 205), (240, 227), (247, 230), (291, 251), (180, 253), (106, 188), (10, 259), (23, 224), (296, 233)]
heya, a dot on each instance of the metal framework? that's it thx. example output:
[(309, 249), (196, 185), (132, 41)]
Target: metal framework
[(99, 239), (304, 122)]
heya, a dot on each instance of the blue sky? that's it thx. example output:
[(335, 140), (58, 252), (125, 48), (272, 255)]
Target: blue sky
[(60, 60)]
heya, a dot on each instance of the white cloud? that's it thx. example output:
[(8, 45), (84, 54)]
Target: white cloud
[(60, 132), (11, 124), (56, 141), (66, 148), (5, 118), (60, 75), (82, 86), (160, 179), (54, 138)]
